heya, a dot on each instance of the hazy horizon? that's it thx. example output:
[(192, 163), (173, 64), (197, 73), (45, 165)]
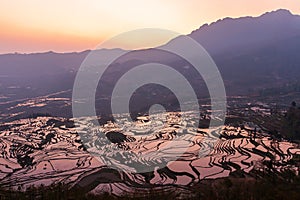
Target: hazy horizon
[(123, 45), (61, 27)]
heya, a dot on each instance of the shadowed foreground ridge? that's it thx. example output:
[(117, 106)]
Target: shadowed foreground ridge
[(263, 185)]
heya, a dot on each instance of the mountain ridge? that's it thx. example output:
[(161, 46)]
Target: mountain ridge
[(265, 47), (281, 12)]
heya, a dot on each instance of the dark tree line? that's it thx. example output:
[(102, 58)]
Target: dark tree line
[(291, 122)]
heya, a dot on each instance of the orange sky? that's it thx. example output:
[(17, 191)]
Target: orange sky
[(76, 25)]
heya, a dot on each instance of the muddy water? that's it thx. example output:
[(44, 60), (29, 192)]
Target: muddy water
[(48, 150)]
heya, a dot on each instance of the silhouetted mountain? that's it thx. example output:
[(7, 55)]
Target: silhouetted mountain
[(253, 54), (39, 64), (246, 33)]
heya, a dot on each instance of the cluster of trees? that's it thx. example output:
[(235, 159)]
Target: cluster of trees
[(291, 122)]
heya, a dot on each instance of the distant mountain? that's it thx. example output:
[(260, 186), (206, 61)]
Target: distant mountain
[(252, 54), (247, 33), (39, 64), (30, 75)]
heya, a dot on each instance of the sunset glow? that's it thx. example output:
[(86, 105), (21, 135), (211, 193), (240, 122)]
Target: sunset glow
[(63, 26)]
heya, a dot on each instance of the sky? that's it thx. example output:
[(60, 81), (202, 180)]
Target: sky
[(76, 25)]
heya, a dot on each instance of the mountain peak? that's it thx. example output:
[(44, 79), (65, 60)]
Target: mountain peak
[(279, 12), (276, 13), (229, 33)]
